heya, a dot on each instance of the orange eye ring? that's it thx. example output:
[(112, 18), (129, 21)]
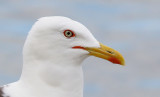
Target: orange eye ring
[(68, 33)]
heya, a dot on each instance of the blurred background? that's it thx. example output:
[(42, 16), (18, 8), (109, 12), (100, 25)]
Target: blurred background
[(130, 26)]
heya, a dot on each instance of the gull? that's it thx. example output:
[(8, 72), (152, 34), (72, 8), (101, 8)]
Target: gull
[(52, 55)]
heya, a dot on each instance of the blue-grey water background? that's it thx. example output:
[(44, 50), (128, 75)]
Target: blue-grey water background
[(129, 26)]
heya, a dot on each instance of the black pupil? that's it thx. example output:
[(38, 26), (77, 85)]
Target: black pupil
[(69, 33)]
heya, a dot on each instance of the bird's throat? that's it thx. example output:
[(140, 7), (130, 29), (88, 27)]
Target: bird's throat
[(56, 79)]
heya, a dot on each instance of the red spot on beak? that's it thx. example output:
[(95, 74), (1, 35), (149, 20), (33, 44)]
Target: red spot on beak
[(114, 60), (78, 47)]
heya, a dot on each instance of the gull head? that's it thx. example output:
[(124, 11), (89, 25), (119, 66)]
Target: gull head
[(64, 41)]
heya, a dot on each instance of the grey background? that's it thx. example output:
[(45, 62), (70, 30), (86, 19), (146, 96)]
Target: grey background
[(130, 26)]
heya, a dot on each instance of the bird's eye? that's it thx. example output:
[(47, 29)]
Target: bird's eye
[(69, 33)]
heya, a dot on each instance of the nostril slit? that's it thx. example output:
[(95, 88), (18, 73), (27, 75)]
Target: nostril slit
[(110, 52)]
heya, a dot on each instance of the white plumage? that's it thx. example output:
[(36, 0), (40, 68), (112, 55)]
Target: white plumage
[(52, 61)]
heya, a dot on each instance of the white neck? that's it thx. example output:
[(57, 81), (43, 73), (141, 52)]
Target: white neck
[(47, 79)]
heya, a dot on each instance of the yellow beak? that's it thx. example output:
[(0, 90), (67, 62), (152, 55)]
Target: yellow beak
[(106, 53)]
